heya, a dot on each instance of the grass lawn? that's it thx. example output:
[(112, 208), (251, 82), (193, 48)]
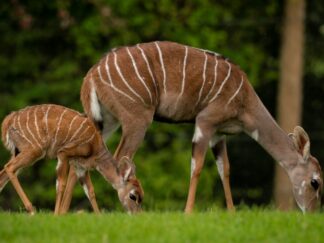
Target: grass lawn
[(250, 225)]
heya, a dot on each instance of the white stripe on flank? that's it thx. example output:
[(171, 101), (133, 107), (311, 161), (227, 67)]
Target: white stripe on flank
[(123, 78), (110, 84), (148, 67), (15, 121), (223, 83), (137, 73), (59, 164), (70, 126), (94, 103), (58, 128), (162, 66), (87, 141), (36, 124), (46, 121), (22, 132), (30, 132), (84, 132), (183, 74), (77, 131), (215, 79), (204, 79), (237, 91)]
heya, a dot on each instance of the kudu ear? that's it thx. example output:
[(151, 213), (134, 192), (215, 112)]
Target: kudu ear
[(126, 168), (301, 142)]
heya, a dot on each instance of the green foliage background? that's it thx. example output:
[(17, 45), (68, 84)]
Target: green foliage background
[(48, 46)]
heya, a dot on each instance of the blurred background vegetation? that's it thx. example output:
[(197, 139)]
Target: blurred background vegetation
[(48, 46)]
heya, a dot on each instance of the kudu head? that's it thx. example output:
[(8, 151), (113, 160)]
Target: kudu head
[(306, 176), (130, 192)]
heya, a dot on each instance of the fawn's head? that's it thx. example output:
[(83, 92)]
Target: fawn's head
[(130, 193), (306, 176)]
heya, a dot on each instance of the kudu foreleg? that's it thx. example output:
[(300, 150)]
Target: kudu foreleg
[(199, 147), (67, 196), (89, 190), (62, 171), (132, 136), (220, 152)]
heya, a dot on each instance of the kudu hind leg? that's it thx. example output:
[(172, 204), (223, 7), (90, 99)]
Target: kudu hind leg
[(4, 178), (22, 160), (200, 142), (220, 152)]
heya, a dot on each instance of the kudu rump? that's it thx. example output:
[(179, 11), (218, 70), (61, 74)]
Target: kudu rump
[(166, 81), (58, 132)]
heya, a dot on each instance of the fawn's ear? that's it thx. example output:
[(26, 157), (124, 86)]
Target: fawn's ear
[(126, 168), (301, 142)]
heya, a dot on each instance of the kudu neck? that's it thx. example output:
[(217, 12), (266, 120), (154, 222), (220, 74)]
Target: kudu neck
[(265, 130), (107, 166)]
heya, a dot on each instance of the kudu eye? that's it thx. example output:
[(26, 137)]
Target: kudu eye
[(315, 184), (132, 196)]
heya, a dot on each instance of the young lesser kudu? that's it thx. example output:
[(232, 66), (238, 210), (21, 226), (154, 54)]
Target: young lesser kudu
[(54, 131), (166, 81)]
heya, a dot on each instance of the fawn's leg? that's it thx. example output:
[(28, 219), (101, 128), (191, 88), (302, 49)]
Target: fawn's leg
[(61, 171), (200, 141), (89, 190), (22, 160), (4, 178), (223, 166), (67, 196)]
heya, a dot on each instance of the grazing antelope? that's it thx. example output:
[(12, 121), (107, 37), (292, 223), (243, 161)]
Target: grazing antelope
[(55, 131), (166, 81)]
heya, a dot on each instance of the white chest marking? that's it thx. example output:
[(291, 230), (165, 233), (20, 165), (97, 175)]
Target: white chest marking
[(220, 167), (86, 191), (255, 135), (193, 166), (215, 139), (197, 135), (59, 164)]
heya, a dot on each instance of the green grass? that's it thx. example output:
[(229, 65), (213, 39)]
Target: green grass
[(218, 226)]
